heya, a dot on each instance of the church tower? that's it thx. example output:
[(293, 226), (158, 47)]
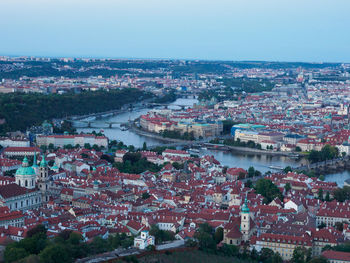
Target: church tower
[(25, 175), (245, 221), (43, 179)]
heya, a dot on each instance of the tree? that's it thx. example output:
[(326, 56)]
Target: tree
[(287, 169), (321, 177), (327, 199), (266, 254), (319, 259), (251, 171), (219, 235), (87, 146), (297, 149), (339, 226), (144, 146), (320, 194), (55, 253), (51, 146), (287, 187), (268, 190), (145, 195), (301, 255), (13, 254)]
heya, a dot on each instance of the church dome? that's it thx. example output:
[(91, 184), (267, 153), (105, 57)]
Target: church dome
[(25, 169)]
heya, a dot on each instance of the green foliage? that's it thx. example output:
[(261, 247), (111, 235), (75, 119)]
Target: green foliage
[(178, 166), (227, 125), (219, 235), (206, 238), (55, 253), (168, 97), (145, 195), (24, 110), (328, 152), (301, 255), (66, 247), (248, 85), (238, 143), (161, 235), (189, 136), (134, 163), (268, 190), (13, 254), (287, 187), (319, 259), (287, 169), (297, 149), (342, 194)]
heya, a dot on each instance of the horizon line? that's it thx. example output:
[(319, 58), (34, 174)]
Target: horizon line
[(173, 59)]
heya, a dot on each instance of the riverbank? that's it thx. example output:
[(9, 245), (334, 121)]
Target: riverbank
[(134, 128), (152, 135)]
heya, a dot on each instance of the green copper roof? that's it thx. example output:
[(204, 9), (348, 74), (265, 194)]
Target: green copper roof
[(35, 164), (25, 169), (245, 208), (43, 162), (54, 167)]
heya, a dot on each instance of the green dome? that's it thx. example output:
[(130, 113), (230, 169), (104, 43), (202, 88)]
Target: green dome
[(25, 169)]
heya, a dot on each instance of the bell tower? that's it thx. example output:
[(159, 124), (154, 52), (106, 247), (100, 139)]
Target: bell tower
[(245, 220), (43, 180)]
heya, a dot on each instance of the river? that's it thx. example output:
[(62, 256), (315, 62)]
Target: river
[(231, 159)]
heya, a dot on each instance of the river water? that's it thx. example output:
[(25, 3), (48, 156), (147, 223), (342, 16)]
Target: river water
[(231, 159)]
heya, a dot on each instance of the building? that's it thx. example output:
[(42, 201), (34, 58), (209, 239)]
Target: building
[(283, 244), (64, 140), (23, 194), (11, 218), (44, 182), (21, 151), (144, 240), (336, 256), (14, 142)]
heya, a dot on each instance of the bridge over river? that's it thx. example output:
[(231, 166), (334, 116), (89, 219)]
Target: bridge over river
[(326, 167)]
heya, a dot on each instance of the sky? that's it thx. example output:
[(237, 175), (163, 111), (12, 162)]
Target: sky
[(273, 30)]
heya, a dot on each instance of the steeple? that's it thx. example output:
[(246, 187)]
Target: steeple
[(245, 221), (35, 163), (43, 162), (245, 208)]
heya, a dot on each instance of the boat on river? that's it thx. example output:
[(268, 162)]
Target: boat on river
[(273, 167)]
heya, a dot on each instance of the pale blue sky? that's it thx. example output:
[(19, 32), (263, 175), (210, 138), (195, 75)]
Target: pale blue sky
[(279, 30)]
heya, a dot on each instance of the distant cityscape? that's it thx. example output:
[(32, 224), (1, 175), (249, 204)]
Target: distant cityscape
[(70, 182)]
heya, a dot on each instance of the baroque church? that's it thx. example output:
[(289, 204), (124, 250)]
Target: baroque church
[(31, 187)]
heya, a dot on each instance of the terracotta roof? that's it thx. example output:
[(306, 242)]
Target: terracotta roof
[(11, 190), (337, 255)]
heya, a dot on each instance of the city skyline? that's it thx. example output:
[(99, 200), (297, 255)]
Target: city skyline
[(229, 30)]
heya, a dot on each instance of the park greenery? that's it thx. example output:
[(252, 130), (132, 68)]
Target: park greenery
[(237, 143), (328, 152), (188, 136), (268, 190), (248, 85), (161, 235), (134, 163), (66, 247), (21, 111)]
